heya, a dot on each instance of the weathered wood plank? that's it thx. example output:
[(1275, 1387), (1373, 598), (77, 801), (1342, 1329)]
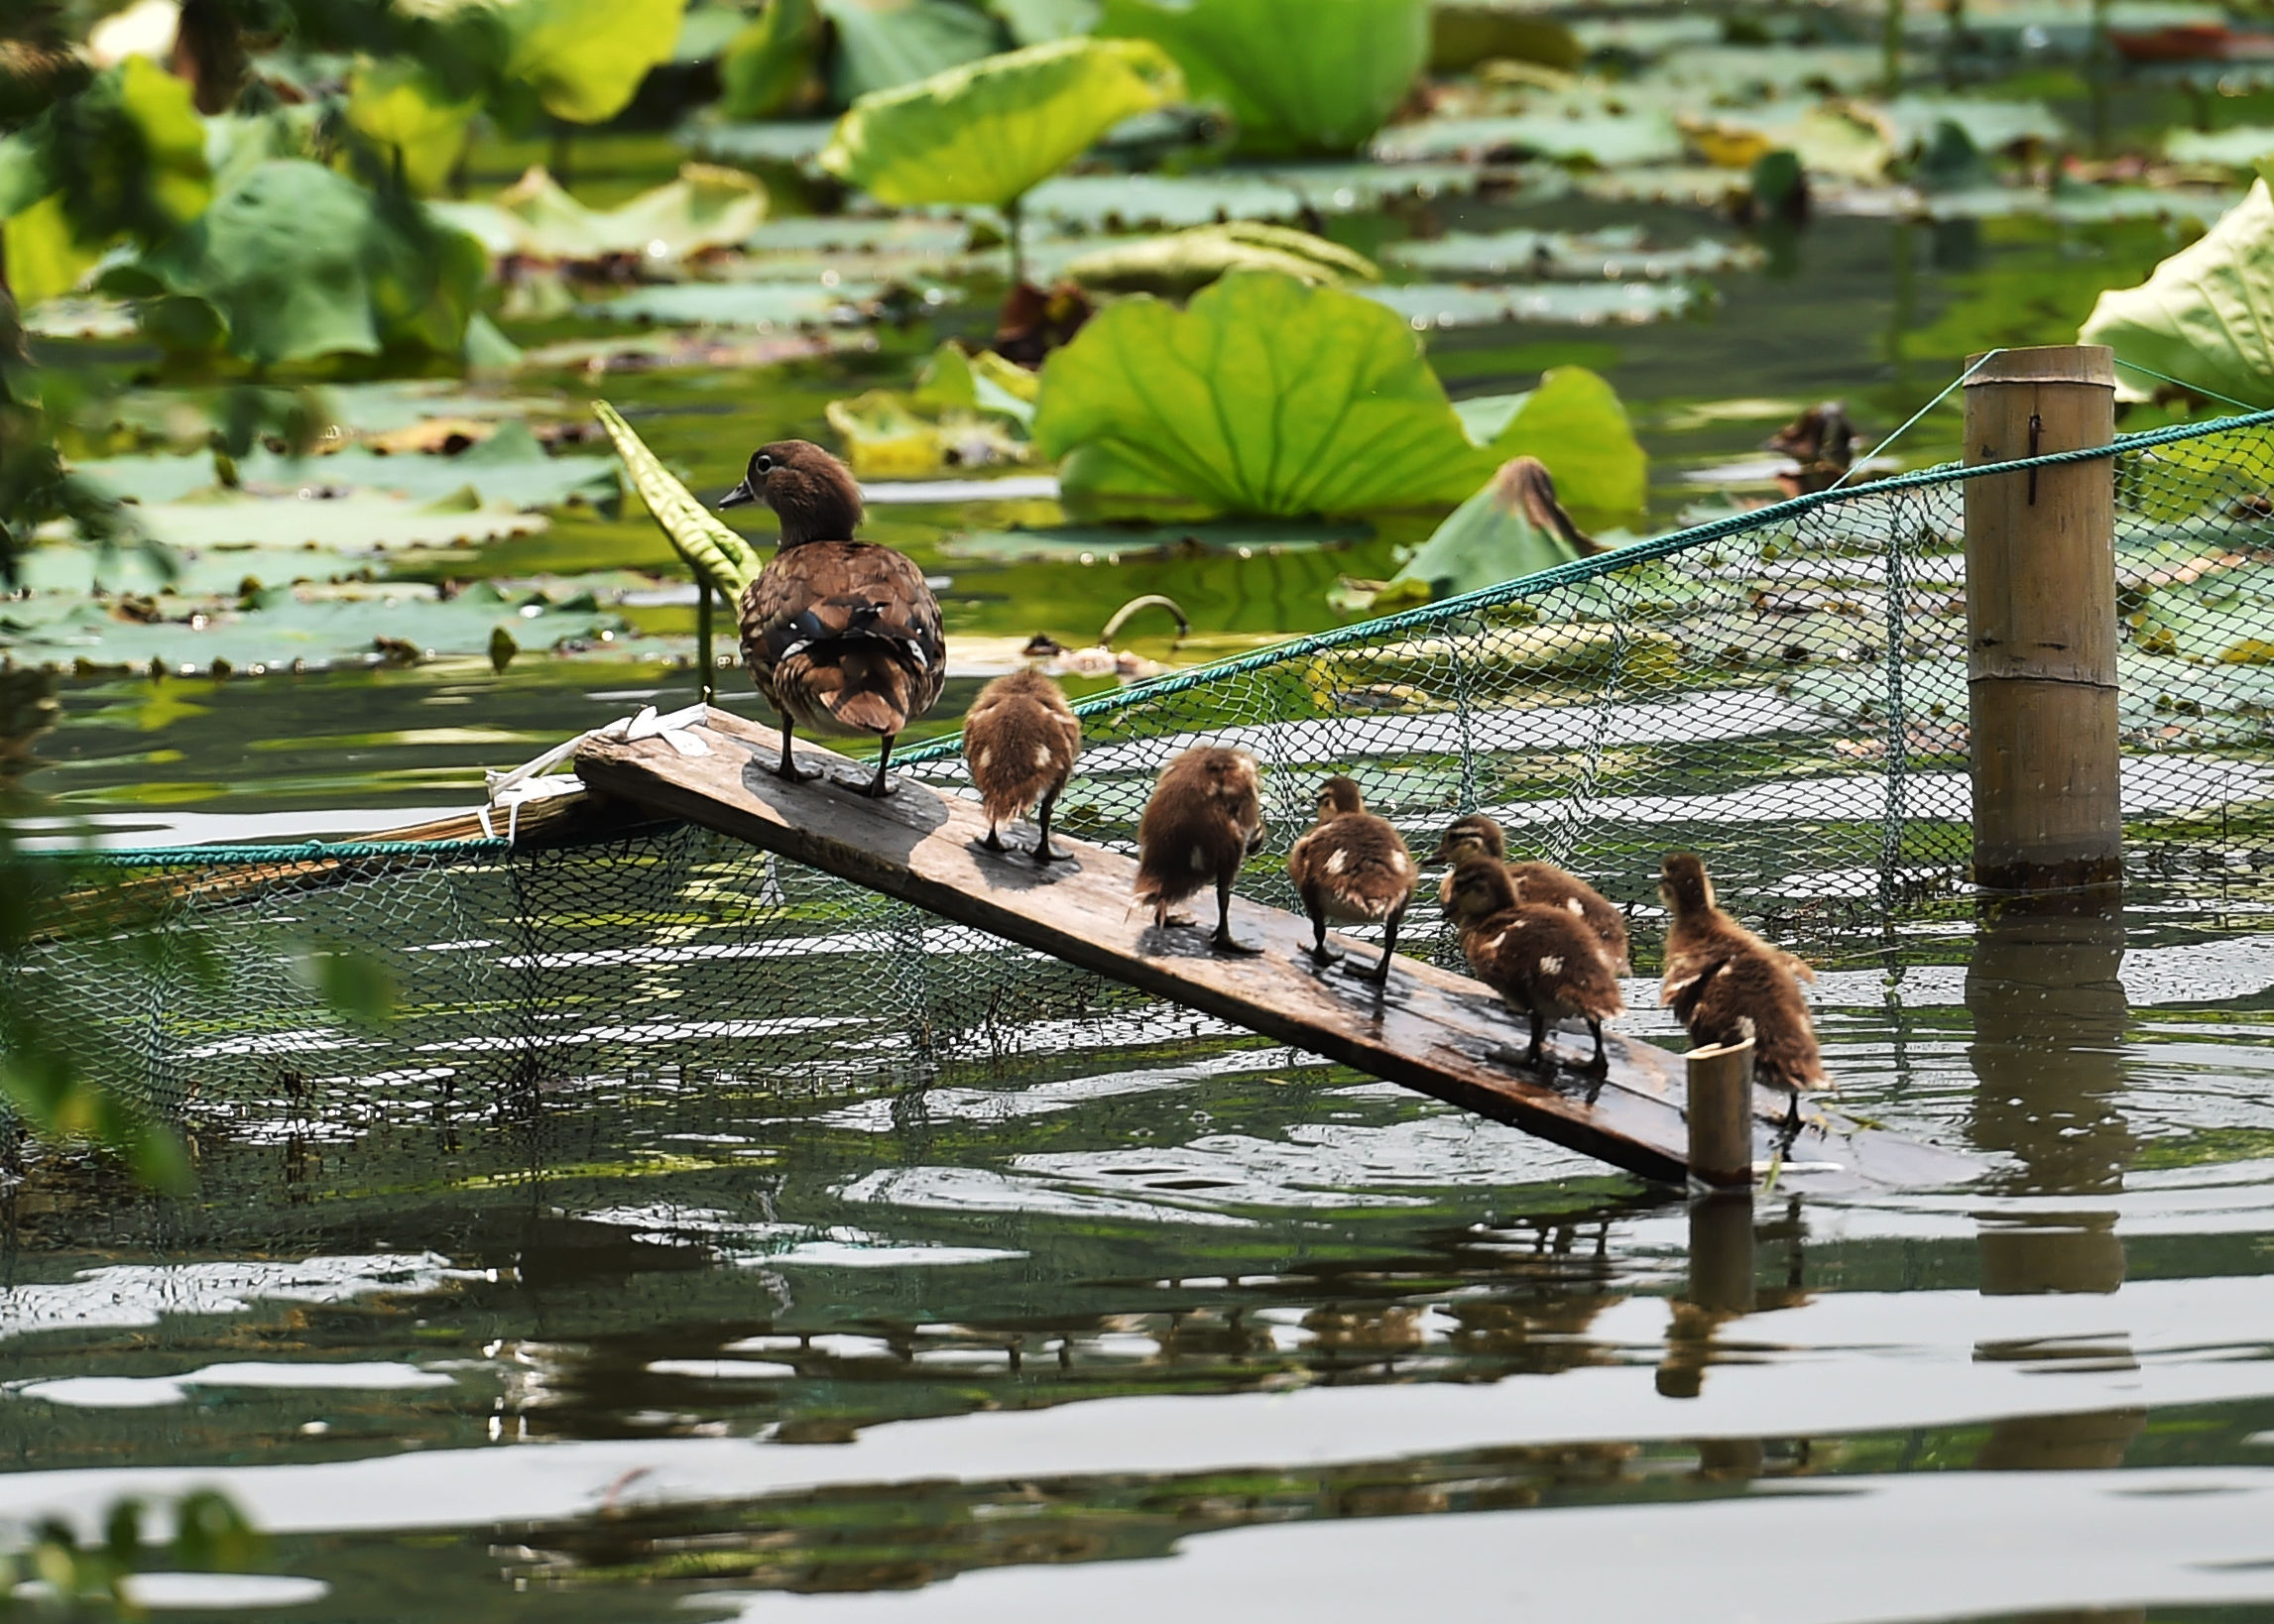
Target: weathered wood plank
[(1442, 1034)]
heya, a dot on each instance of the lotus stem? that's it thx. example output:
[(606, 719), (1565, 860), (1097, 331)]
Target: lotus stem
[(1015, 219), (1152, 600)]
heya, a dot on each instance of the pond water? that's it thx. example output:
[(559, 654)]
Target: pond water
[(1269, 1338)]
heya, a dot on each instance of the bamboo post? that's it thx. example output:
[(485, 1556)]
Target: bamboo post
[(1719, 1115), (707, 686), (2041, 622)]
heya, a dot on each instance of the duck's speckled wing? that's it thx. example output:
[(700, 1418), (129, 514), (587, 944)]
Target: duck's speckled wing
[(844, 633)]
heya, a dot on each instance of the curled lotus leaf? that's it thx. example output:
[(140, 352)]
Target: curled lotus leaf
[(706, 207), (2207, 313), (1183, 262), (990, 130)]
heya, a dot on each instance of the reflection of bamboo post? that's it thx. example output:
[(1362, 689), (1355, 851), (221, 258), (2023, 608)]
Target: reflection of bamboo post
[(2041, 622), (1720, 1113)]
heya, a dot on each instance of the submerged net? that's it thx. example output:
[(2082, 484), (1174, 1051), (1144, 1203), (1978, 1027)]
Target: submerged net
[(1783, 690)]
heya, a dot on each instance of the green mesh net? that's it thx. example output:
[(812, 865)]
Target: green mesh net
[(1783, 690)]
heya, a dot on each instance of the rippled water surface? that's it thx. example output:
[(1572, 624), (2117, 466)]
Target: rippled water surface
[(1141, 1326)]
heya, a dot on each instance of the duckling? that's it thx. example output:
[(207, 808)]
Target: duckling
[(1542, 961), (1354, 866), (1725, 985), (1205, 817), (1477, 836), (1020, 737), (837, 633)]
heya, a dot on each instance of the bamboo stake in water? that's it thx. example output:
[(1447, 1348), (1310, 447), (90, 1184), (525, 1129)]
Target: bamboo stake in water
[(1719, 1115)]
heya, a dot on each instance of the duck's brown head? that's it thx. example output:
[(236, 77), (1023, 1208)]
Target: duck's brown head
[(811, 492), (1476, 890), (1337, 797), (1683, 885), (1475, 837)]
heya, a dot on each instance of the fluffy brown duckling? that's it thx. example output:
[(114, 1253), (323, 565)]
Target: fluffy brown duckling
[(1205, 817), (1352, 866), (1019, 740), (837, 633), (1479, 837), (1543, 960), (1725, 985)]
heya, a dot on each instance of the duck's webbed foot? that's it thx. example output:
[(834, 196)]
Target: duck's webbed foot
[(789, 771), (881, 785)]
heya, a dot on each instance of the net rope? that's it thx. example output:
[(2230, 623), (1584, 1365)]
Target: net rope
[(1783, 689)]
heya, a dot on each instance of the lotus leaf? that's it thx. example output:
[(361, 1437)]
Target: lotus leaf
[(1177, 265), (2227, 618), (404, 110), (885, 437), (989, 132), (584, 58), (1091, 544), (1031, 22), (1911, 122), (316, 627), (1116, 201), (797, 141), (1574, 424), (954, 381), (705, 208), (298, 262), (357, 522), (508, 467), (210, 573), (764, 66), (1268, 397), (1580, 303), (1829, 138), (1298, 75), (1567, 135), (761, 304), (885, 43), (1618, 253), (2237, 148), (124, 158), (2207, 313)]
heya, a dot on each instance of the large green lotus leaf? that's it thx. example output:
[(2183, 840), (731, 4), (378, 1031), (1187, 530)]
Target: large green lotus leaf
[(706, 207), (1264, 398), (1615, 253), (2207, 313), (45, 256), (764, 66), (990, 130), (885, 43), (1428, 305), (586, 57), (361, 522), (1298, 75), (300, 263), (1179, 263), (1604, 138), (404, 110), (509, 467)]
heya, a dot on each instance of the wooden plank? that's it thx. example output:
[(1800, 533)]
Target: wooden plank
[(1439, 1033)]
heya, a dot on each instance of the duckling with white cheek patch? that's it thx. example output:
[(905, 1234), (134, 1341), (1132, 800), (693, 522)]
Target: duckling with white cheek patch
[(1352, 866), (1019, 740), (1544, 962), (1725, 985), (1477, 836), (1205, 817)]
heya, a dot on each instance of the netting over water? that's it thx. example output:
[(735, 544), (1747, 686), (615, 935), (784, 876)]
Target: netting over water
[(1783, 691)]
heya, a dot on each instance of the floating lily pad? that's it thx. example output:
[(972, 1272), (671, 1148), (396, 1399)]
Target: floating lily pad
[(1620, 253), (860, 233), (359, 522), (1566, 134), (2237, 148), (787, 141), (1129, 201), (92, 318), (705, 208), (509, 467), (1585, 304), (1992, 125), (761, 304), (1096, 543), (215, 572), (1185, 260)]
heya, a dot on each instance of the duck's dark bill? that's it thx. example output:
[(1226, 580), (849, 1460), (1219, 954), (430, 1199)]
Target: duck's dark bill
[(742, 496)]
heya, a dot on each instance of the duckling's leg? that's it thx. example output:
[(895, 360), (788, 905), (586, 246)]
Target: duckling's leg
[(994, 840), (880, 787), (1539, 1037), (788, 769), (1316, 907), (1602, 1062), (1381, 976), (1223, 939), (1043, 852)]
